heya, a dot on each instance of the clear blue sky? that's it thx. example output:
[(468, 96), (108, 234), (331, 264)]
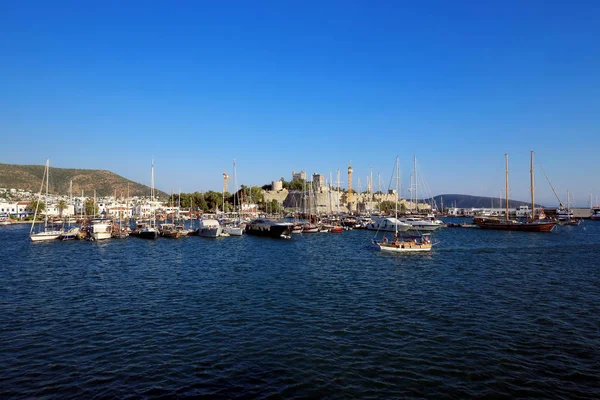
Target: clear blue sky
[(313, 86)]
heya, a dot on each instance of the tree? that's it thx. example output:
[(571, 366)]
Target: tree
[(41, 207), (90, 207), (274, 207), (213, 200), (388, 206), (296, 184), (61, 205)]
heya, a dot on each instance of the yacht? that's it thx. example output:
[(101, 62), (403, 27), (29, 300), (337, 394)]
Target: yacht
[(210, 228), (270, 228), (388, 224), (420, 224)]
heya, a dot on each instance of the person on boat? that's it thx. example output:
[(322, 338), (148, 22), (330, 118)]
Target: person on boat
[(385, 239)]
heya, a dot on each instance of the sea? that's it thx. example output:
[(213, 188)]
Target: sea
[(487, 314)]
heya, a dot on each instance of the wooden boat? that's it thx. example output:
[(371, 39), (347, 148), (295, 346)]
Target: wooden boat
[(310, 228), (534, 224), (406, 244), (403, 244), (168, 230)]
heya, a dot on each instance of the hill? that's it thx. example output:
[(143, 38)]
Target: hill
[(467, 201), (29, 177)]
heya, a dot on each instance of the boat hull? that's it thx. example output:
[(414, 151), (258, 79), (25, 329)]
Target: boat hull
[(211, 232), (404, 247), (148, 234), (45, 236), (519, 227), (268, 230), (233, 230)]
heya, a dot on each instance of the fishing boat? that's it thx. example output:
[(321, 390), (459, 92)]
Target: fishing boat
[(101, 228), (47, 233), (336, 229), (403, 244), (533, 224), (310, 228), (269, 228), (169, 230)]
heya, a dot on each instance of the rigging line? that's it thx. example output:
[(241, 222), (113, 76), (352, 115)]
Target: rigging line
[(551, 187)]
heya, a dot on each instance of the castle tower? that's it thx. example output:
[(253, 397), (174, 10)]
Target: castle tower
[(350, 194)]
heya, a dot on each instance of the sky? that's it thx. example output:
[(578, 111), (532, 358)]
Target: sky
[(307, 86)]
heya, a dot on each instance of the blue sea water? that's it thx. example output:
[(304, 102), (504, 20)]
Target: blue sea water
[(486, 314)]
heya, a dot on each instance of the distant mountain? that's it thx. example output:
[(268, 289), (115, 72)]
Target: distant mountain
[(467, 201), (29, 177)]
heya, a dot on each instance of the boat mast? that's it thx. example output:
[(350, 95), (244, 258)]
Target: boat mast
[(234, 192), (396, 202), (506, 169), (371, 188), (416, 184), (532, 188), (152, 196), (37, 205)]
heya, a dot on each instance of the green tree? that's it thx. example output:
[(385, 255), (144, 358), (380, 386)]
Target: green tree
[(213, 200), (296, 184), (61, 205), (90, 207), (41, 207), (274, 207), (256, 195), (388, 206)]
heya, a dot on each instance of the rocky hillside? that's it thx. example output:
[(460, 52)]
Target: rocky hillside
[(29, 177)]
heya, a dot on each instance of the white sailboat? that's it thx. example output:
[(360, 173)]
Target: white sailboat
[(234, 228), (45, 234), (420, 243), (149, 231)]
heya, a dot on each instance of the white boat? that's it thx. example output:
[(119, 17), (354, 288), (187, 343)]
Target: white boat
[(595, 214), (46, 234), (210, 228), (420, 224), (402, 244), (233, 230), (388, 224), (70, 234), (101, 229)]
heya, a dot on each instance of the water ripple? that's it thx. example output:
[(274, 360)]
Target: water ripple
[(498, 314)]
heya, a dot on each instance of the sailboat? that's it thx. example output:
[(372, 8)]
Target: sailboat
[(149, 231), (403, 244), (46, 234), (234, 228), (534, 224)]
